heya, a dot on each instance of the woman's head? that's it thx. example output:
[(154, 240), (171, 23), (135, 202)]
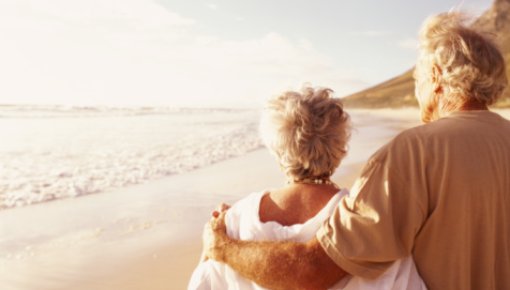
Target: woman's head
[(308, 132), (457, 66)]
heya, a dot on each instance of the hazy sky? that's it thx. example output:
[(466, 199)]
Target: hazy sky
[(203, 53)]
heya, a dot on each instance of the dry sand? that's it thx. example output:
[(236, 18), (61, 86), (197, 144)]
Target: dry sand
[(148, 236)]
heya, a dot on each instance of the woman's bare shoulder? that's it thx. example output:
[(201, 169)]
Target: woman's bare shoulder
[(291, 206)]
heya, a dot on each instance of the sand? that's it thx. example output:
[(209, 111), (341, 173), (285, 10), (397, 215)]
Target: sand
[(148, 236), (134, 238)]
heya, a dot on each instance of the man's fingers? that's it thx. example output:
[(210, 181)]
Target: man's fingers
[(220, 208), (213, 236), (224, 207), (218, 222)]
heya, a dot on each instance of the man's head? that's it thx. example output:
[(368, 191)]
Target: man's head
[(457, 67)]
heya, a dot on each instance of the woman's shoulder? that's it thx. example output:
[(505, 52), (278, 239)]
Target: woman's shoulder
[(243, 220), (245, 204), (242, 212)]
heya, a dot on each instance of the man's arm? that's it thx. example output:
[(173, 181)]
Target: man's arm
[(274, 265)]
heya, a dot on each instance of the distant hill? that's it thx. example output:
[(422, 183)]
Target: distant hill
[(399, 91)]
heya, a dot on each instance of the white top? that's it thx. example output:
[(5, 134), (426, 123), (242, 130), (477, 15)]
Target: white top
[(243, 223)]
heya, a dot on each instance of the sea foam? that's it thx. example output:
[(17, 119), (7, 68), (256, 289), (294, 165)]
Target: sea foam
[(50, 153)]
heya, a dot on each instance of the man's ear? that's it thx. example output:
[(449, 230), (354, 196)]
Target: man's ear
[(436, 76)]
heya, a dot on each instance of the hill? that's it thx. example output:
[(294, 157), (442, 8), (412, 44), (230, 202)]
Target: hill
[(399, 91)]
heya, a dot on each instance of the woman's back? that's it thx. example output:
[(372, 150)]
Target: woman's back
[(295, 204), (244, 222), (252, 218)]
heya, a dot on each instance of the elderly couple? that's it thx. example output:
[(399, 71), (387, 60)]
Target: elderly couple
[(431, 209)]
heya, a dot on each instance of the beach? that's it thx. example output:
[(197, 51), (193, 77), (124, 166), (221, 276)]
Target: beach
[(148, 235)]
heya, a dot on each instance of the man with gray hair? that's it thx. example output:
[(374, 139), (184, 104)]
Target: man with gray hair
[(439, 192)]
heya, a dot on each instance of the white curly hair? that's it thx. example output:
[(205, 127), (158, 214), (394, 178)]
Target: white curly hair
[(307, 131)]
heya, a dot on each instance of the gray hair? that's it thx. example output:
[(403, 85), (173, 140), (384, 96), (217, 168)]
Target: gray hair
[(468, 65), (308, 132)]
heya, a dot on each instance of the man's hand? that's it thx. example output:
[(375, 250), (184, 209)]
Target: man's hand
[(220, 208), (215, 236)]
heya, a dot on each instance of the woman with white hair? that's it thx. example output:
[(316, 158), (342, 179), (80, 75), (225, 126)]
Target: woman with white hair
[(307, 132), (439, 192)]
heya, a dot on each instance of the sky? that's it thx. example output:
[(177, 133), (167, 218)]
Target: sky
[(194, 53)]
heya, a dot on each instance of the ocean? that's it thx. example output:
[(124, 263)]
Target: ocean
[(54, 152)]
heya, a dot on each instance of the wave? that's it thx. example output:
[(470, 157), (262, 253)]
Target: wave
[(54, 159), (61, 111)]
